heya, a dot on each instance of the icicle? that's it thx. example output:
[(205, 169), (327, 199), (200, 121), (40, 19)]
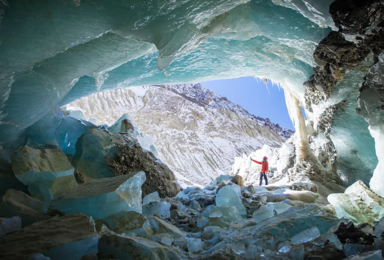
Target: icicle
[(266, 84), (290, 104)]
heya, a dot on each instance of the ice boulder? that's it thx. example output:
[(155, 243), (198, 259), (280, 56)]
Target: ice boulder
[(358, 203), (17, 203), (103, 197), (8, 179), (194, 245), (152, 197), (91, 149), (298, 219), (371, 255), (55, 130), (158, 207), (230, 195), (305, 236), (124, 247), (263, 213), (67, 237), (165, 239), (8, 225), (46, 172), (161, 226), (226, 213), (379, 228), (223, 179), (124, 221), (280, 207)]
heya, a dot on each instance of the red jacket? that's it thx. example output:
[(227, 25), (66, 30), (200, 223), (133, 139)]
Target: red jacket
[(264, 165)]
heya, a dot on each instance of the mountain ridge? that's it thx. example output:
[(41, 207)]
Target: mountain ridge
[(195, 131)]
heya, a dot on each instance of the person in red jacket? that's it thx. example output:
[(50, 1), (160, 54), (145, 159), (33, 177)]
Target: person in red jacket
[(264, 169)]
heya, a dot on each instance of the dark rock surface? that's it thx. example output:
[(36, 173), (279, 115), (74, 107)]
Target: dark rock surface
[(133, 158)]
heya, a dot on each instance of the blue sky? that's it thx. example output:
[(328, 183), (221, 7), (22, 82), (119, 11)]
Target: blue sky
[(252, 95)]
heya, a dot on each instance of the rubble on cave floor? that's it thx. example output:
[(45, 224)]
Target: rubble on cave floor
[(220, 221)]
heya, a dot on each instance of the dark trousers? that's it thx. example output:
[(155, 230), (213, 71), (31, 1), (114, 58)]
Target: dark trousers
[(262, 174)]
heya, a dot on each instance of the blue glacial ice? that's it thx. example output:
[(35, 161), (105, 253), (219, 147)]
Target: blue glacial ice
[(56, 130), (152, 197), (101, 198), (66, 237), (222, 39), (157, 207), (17, 203), (8, 225), (91, 148), (230, 195), (46, 172)]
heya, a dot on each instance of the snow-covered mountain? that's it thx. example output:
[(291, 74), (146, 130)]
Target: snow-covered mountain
[(197, 132)]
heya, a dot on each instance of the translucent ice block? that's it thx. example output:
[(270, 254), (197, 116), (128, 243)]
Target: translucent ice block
[(262, 214), (101, 198), (194, 245), (158, 207), (8, 225), (66, 237), (154, 196), (230, 195), (46, 172), (305, 236)]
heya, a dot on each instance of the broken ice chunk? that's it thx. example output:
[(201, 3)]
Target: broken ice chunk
[(223, 178), (66, 237), (161, 226), (217, 222), (297, 252), (8, 225), (195, 205), (335, 240), (124, 221), (263, 199), (281, 207), (262, 214), (91, 149), (124, 247), (372, 255), (253, 251), (305, 236), (101, 198), (194, 245), (284, 247), (154, 196), (216, 214), (238, 249), (201, 222), (45, 172), (356, 199), (354, 249), (158, 207), (229, 214), (167, 241), (17, 203), (181, 242), (230, 195), (164, 238), (37, 256), (379, 228)]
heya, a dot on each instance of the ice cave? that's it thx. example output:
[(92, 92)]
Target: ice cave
[(110, 148)]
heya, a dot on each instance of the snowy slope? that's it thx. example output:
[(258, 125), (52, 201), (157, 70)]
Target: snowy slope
[(197, 132)]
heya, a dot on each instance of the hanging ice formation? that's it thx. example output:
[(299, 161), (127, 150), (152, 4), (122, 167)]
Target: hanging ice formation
[(326, 54)]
